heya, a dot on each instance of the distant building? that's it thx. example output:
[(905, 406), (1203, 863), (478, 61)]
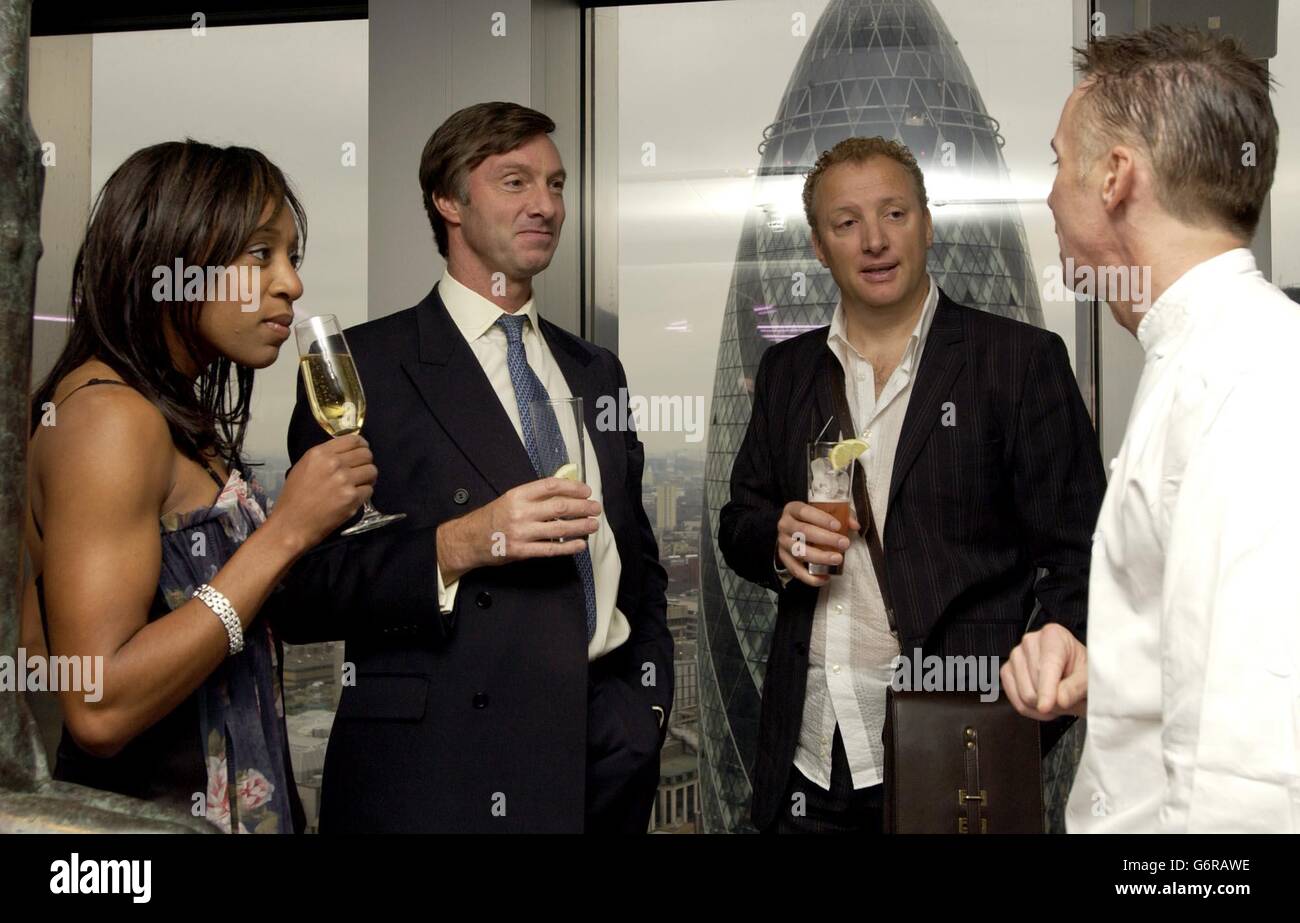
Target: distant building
[(666, 506), (683, 569), (686, 686), (683, 626), (313, 676), (677, 803), (309, 734)]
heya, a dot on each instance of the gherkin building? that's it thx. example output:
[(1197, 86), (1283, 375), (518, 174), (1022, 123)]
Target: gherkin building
[(870, 67)]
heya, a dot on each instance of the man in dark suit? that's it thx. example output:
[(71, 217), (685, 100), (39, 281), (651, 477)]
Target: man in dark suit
[(513, 666), (982, 469)]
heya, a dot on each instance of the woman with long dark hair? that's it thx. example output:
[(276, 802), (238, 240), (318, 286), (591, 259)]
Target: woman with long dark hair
[(152, 545)]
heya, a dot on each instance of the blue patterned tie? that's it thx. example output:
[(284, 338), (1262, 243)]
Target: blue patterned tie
[(528, 388)]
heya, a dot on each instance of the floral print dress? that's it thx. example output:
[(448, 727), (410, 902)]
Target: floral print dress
[(241, 705)]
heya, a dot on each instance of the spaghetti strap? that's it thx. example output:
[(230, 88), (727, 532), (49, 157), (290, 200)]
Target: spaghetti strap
[(221, 485), (93, 381)]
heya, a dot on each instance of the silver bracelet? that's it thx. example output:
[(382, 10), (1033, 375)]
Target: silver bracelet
[(217, 602)]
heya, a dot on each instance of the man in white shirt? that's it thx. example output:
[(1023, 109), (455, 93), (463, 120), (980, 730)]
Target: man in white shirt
[(1190, 679), (526, 686)]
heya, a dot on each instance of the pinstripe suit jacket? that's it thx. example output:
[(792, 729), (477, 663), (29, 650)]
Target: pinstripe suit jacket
[(976, 508)]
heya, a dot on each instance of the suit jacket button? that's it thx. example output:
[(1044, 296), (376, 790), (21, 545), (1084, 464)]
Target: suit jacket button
[(480, 700), (801, 649), (483, 600), (461, 496)]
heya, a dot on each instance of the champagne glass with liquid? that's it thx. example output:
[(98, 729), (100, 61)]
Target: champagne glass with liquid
[(334, 393)]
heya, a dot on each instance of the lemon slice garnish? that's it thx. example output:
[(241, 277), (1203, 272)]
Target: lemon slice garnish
[(568, 471), (845, 451)]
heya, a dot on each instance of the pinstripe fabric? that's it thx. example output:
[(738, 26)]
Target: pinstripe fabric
[(975, 508)]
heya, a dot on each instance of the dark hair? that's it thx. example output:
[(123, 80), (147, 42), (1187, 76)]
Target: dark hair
[(464, 141), (1191, 101), (177, 200), (860, 150)]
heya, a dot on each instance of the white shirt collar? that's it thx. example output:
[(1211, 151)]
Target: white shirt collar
[(1165, 318), (839, 341), (473, 314)]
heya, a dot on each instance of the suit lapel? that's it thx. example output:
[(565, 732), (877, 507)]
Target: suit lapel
[(824, 385), (575, 361), (452, 385), (941, 360)]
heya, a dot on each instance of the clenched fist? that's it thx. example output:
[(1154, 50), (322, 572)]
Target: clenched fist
[(1046, 675)]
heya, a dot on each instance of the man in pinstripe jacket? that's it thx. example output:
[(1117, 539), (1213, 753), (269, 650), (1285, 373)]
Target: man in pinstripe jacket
[(983, 474)]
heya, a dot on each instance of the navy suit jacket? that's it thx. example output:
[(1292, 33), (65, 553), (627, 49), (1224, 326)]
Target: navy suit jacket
[(451, 717)]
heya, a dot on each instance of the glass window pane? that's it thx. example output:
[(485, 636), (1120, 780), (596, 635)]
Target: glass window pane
[(714, 262)]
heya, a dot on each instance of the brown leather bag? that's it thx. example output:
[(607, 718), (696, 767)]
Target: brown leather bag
[(953, 764)]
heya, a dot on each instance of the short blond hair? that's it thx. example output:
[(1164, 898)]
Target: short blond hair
[(860, 150)]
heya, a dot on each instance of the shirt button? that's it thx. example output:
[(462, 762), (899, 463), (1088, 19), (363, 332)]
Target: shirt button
[(839, 608), (862, 374), (460, 497), (835, 668)]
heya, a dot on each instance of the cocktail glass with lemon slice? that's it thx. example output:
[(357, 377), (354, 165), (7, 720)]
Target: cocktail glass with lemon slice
[(830, 486)]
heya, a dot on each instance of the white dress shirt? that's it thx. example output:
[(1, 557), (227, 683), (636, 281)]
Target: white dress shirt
[(852, 650), (475, 317), (1194, 596)]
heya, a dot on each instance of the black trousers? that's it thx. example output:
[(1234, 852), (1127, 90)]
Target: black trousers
[(623, 741), (843, 809)]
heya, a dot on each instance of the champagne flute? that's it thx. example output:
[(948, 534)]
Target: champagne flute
[(334, 393)]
